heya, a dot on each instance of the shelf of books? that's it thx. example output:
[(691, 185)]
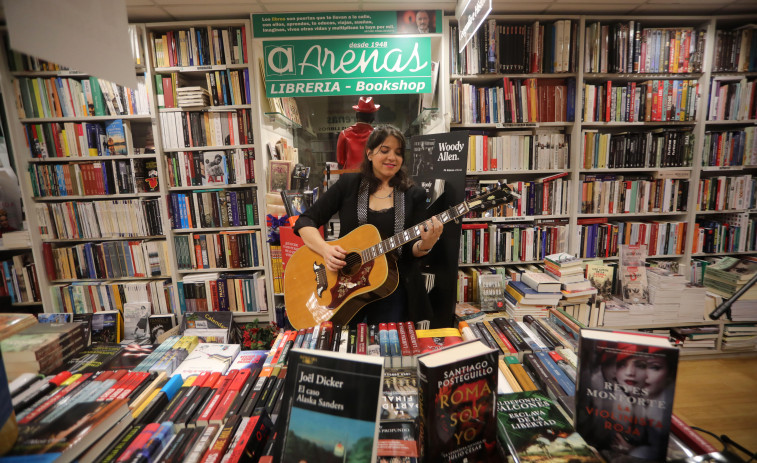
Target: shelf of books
[(657, 148), (152, 187), (513, 88), (207, 109)]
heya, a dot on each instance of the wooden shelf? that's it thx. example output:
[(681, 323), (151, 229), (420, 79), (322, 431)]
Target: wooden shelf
[(129, 117), (223, 269)]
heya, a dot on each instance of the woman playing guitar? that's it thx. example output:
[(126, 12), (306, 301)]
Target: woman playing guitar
[(384, 196)]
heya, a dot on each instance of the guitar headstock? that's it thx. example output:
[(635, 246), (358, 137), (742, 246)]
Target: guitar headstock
[(492, 196)]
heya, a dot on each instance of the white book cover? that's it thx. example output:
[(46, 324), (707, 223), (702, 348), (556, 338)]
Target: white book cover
[(136, 315), (208, 357)]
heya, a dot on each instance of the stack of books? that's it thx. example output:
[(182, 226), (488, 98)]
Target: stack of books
[(569, 271), (192, 97), (740, 337), (696, 337), (16, 239), (522, 299), (42, 348), (666, 289), (692, 307)]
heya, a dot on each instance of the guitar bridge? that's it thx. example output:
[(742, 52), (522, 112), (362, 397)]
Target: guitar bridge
[(320, 278)]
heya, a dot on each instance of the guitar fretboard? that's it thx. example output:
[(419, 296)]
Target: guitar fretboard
[(410, 234)]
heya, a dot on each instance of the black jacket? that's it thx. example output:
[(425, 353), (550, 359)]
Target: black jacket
[(342, 198)]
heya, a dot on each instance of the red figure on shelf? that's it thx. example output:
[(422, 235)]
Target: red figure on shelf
[(350, 148)]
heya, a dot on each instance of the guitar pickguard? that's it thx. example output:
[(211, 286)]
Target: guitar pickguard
[(320, 278), (348, 284)]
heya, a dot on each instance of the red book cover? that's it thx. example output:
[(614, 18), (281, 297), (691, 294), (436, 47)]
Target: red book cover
[(219, 390), (47, 253), (219, 413), (458, 382), (218, 448), (362, 338), (608, 102), (412, 338)]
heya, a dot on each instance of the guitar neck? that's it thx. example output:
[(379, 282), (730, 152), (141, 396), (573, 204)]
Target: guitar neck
[(411, 233)]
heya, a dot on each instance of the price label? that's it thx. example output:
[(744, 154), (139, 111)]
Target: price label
[(71, 73)]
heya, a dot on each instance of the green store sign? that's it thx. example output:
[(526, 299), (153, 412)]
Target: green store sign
[(355, 66)]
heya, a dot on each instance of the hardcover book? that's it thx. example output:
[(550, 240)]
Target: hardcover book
[(208, 357), (330, 407), (535, 429), (624, 393), (456, 393)]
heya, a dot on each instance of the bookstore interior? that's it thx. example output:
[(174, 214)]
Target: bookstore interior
[(582, 218)]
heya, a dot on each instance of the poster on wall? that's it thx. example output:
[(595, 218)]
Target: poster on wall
[(347, 23), (434, 158), (355, 66)]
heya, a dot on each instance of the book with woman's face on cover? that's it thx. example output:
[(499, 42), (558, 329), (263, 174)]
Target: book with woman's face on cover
[(624, 392)]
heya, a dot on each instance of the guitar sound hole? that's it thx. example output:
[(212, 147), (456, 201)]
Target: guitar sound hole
[(354, 262)]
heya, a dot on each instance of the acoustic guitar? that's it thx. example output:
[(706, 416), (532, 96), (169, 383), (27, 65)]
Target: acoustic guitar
[(314, 294)]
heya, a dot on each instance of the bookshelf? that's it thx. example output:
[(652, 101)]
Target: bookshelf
[(208, 119), (609, 141), (75, 122), (133, 212), (530, 144)]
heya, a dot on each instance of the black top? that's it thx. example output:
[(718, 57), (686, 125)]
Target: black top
[(383, 220), (342, 198)]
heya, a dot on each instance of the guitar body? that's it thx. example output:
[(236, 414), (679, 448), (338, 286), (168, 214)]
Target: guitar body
[(314, 294)]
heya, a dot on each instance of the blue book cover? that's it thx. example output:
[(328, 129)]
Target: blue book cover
[(562, 379), (234, 209), (116, 138), (526, 290)]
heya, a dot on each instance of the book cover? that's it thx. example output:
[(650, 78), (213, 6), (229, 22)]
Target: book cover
[(456, 393), (129, 357), (54, 317), (106, 326), (208, 357), (214, 170), (535, 429), (540, 282), (436, 339), (624, 393), (136, 316), (158, 325), (115, 144), (330, 407), (399, 395), (249, 359), (397, 442), (71, 433), (93, 358), (601, 276)]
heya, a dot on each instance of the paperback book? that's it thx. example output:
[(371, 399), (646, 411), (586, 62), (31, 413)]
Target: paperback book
[(534, 428), (624, 392), (209, 357), (456, 394), (330, 409)]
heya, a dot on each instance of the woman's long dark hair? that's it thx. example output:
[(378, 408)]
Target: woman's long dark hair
[(400, 180)]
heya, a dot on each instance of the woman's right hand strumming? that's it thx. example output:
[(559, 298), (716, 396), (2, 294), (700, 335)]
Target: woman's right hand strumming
[(333, 257)]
